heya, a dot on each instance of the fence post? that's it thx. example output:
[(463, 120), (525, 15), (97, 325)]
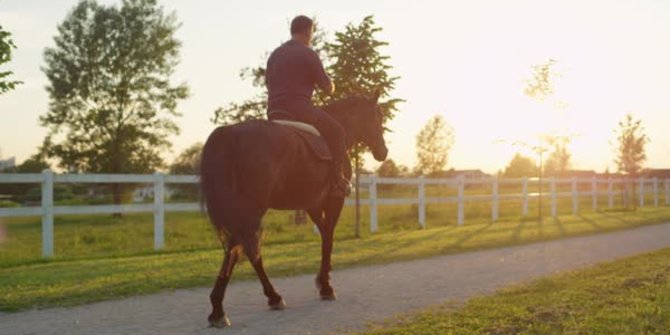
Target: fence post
[(494, 208), (610, 194), (524, 190), (641, 191), (422, 201), (461, 187), (594, 193), (47, 213), (159, 210), (667, 191), (373, 203), (553, 197), (655, 191), (575, 196)]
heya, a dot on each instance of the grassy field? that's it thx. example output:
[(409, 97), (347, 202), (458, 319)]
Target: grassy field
[(112, 258), (629, 296)]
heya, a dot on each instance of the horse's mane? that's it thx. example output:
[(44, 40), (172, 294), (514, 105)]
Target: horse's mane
[(343, 105)]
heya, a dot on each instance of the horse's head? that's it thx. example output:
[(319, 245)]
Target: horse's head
[(368, 126)]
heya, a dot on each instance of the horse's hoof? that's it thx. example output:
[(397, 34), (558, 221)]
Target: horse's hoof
[(329, 296), (277, 306), (222, 322)]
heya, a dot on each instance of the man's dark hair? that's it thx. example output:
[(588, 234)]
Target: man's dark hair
[(301, 24)]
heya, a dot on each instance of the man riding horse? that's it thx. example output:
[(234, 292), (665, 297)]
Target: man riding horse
[(293, 71), (253, 166)]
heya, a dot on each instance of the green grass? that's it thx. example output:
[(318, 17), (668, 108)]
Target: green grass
[(112, 258), (95, 236), (629, 296)]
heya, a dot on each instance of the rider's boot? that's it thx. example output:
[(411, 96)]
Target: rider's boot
[(340, 186)]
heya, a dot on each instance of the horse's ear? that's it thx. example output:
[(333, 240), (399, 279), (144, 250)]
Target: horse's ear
[(375, 96)]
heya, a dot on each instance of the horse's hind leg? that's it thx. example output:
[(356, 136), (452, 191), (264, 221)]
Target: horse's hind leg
[(218, 317), (253, 252)]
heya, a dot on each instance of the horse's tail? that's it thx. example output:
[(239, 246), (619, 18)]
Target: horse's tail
[(217, 179)]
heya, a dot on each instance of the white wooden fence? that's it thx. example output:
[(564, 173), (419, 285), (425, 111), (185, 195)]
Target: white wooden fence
[(495, 197), (47, 209)]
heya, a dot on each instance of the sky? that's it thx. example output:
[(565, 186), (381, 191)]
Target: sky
[(465, 60)]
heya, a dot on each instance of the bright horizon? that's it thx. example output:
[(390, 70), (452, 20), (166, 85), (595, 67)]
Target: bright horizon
[(467, 62)]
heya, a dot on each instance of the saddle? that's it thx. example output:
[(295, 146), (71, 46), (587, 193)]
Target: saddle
[(308, 133)]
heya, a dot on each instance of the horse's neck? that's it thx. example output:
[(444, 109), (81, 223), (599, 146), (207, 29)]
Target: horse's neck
[(346, 121)]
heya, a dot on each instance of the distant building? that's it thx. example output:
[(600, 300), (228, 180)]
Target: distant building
[(146, 193), (575, 173), (467, 174), (656, 173), (7, 163), (613, 175)]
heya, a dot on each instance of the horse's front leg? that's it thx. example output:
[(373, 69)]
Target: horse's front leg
[(332, 210)]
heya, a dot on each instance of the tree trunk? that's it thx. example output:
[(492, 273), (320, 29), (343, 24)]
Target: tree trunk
[(117, 197), (299, 217), (358, 198), (634, 191)]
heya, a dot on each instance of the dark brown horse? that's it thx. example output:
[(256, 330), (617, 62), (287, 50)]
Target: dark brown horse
[(253, 166)]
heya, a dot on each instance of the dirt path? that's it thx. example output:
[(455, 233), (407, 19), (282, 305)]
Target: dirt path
[(364, 294)]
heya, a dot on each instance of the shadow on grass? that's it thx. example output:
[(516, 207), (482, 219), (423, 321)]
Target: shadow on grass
[(516, 234), (615, 217), (470, 235), (389, 247), (559, 224), (590, 221)]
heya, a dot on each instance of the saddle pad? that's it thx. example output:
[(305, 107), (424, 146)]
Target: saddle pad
[(299, 125), (310, 136)]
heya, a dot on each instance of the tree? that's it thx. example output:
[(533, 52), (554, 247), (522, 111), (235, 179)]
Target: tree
[(389, 168), (541, 85), (34, 164), (112, 106), (630, 153), (559, 159), (520, 166), (433, 143), (6, 46), (358, 68), (188, 162)]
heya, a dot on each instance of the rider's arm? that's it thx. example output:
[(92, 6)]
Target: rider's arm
[(321, 79)]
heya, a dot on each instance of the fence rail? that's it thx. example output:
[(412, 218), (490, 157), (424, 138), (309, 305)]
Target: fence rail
[(48, 210)]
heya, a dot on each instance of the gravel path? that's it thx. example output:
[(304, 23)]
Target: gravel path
[(364, 294)]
